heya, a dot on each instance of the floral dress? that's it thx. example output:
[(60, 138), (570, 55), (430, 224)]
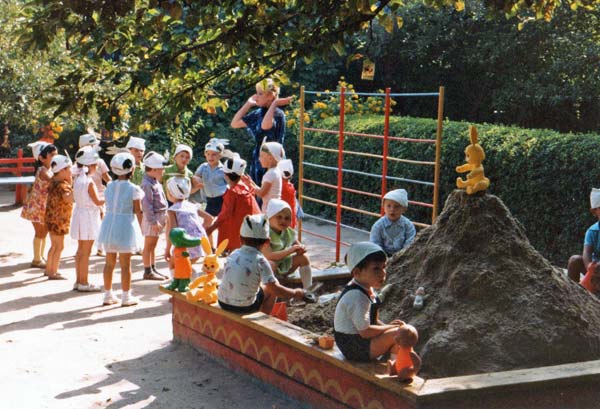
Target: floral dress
[(58, 210), (34, 208)]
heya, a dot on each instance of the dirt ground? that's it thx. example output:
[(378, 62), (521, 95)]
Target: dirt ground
[(62, 349)]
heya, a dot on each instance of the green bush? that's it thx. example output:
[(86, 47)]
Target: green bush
[(544, 177)]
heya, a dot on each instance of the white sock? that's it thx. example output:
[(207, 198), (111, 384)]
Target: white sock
[(306, 276)]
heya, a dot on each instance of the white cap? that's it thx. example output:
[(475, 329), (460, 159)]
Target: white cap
[(286, 167), (183, 148), (137, 143), (122, 163), (216, 145), (88, 139), (359, 251), (155, 160), (179, 187), (87, 156), (399, 196), (36, 148), (235, 165), (255, 227), (595, 198), (60, 162), (275, 206), (275, 149)]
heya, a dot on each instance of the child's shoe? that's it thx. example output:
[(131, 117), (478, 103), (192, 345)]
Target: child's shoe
[(128, 299), (110, 298), (88, 288), (38, 264)]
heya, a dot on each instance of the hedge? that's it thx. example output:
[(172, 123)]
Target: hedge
[(544, 177)]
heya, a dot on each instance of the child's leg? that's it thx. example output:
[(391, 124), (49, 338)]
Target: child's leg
[(125, 262), (82, 260), (38, 242), (302, 261), (575, 268), (57, 245), (109, 267), (268, 302), (384, 343), (149, 247)]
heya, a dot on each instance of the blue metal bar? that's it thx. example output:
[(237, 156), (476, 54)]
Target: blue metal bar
[(379, 94), (418, 182)]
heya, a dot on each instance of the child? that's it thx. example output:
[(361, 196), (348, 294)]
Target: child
[(588, 261), (137, 147), (288, 191), (209, 176), (85, 223), (34, 208), (270, 155), (183, 214), (120, 231), (58, 212), (393, 231), (154, 209), (183, 155), (238, 202), (285, 253), (359, 333), (248, 284)]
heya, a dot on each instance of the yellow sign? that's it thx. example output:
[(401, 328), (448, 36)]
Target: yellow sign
[(368, 70)]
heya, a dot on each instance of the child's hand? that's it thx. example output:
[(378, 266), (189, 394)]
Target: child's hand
[(398, 323), (280, 102), (156, 227), (248, 181), (252, 100), (301, 249), (298, 294), (167, 255)]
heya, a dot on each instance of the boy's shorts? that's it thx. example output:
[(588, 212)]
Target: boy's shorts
[(214, 205), (260, 296), (353, 346), (147, 226)]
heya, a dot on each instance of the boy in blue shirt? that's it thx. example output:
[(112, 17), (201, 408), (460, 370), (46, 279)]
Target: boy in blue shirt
[(393, 231)]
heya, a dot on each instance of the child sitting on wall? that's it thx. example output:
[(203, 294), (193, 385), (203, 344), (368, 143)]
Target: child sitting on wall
[(393, 231)]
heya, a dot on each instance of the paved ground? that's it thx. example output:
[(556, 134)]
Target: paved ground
[(62, 349)]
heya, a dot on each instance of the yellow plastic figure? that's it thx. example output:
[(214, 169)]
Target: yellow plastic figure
[(474, 156), (210, 266)]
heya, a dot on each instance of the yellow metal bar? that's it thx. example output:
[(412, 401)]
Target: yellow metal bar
[(438, 154), (301, 159)]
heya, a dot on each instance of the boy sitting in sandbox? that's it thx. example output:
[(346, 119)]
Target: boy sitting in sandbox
[(587, 263), (359, 333), (393, 231)]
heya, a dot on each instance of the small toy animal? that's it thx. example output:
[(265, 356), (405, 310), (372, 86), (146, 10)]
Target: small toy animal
[(474, 156), (181, 258), (420, 298), (210, 266), (407, 363)]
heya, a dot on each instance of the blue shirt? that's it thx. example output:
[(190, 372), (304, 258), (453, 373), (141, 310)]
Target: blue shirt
[(253, 122), (591, 239), (212, 179), (154, 203), (393, 236)]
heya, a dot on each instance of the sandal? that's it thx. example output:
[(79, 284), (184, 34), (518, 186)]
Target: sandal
[(56, 276)]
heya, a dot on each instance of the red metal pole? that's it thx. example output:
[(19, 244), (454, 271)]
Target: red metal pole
[(19, 194), (386, 134), (338, 213)]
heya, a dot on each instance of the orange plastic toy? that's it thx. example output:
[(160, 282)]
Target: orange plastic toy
[(589, 281), (474, 156), (407, 363), (210, 266)]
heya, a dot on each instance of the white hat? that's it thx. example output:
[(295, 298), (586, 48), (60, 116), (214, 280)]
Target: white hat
[(88, 139), (36, 148), (183, 148), (275, 149), (136, 143), (255, 227), (87, 156), (179, 187), (399, 196), (60, 162), (595, 198), (216, 145), (155, 160), (122, 163), (275, 206), (359, 251), (286, 167), (235, 165)]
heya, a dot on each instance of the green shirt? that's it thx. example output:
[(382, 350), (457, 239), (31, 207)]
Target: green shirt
[(173, 171), (138, 174), (282, 241)]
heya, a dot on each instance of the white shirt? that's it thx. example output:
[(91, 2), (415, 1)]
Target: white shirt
[(352, 312), (272, 176)]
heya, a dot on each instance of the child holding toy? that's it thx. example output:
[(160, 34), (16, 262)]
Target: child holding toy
[(154, 208), (85, 223), (393, 231), (271, 153), (288, 191), (285, 253), (359, 333), (248, 283), (120, 231), (58, 212), (34, 208), (238, 202)]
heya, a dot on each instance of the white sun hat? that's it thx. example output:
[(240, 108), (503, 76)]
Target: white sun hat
[(60, 162), (399, 196), (286, 167), (88, 139), (36, 148), (235, 165), (255, 227), (216, 145), (179, 187), (136, 143), (275, 206), (122, 163), (275, 149), (183, 148), (155, 160), (359, 251), (87, 156)]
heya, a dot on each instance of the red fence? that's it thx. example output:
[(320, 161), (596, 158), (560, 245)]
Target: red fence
[(17, 167)]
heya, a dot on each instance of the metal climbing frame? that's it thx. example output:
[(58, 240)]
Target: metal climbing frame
[(384, 157)]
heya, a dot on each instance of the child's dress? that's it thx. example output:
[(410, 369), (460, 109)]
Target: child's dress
[(58, 210), (187, 217), (281, 241), (120, 231), (34, 208), (85, 223)]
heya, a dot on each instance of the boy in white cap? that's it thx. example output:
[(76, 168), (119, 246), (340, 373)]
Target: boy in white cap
[(137, 147), (271, 153), (248, 283), (210, 177), (182, 156), (154, 209), (359, 334), (393, 231), (285, 252), (587, 263)]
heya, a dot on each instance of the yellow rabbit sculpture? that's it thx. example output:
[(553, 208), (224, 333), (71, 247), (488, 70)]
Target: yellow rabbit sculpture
[(474, 156), (208, 293)]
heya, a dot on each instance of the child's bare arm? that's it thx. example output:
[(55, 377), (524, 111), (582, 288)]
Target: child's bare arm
[(416, 360), (267, 122), (93, 192), (280, 254), (284, 292), (237, 121), (106, 177), (45, 174), (262, 190), (137, 209), (171, 223), (587, 255)]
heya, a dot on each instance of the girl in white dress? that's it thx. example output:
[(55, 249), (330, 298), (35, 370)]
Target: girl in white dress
[(120, 229), (85, 222)]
